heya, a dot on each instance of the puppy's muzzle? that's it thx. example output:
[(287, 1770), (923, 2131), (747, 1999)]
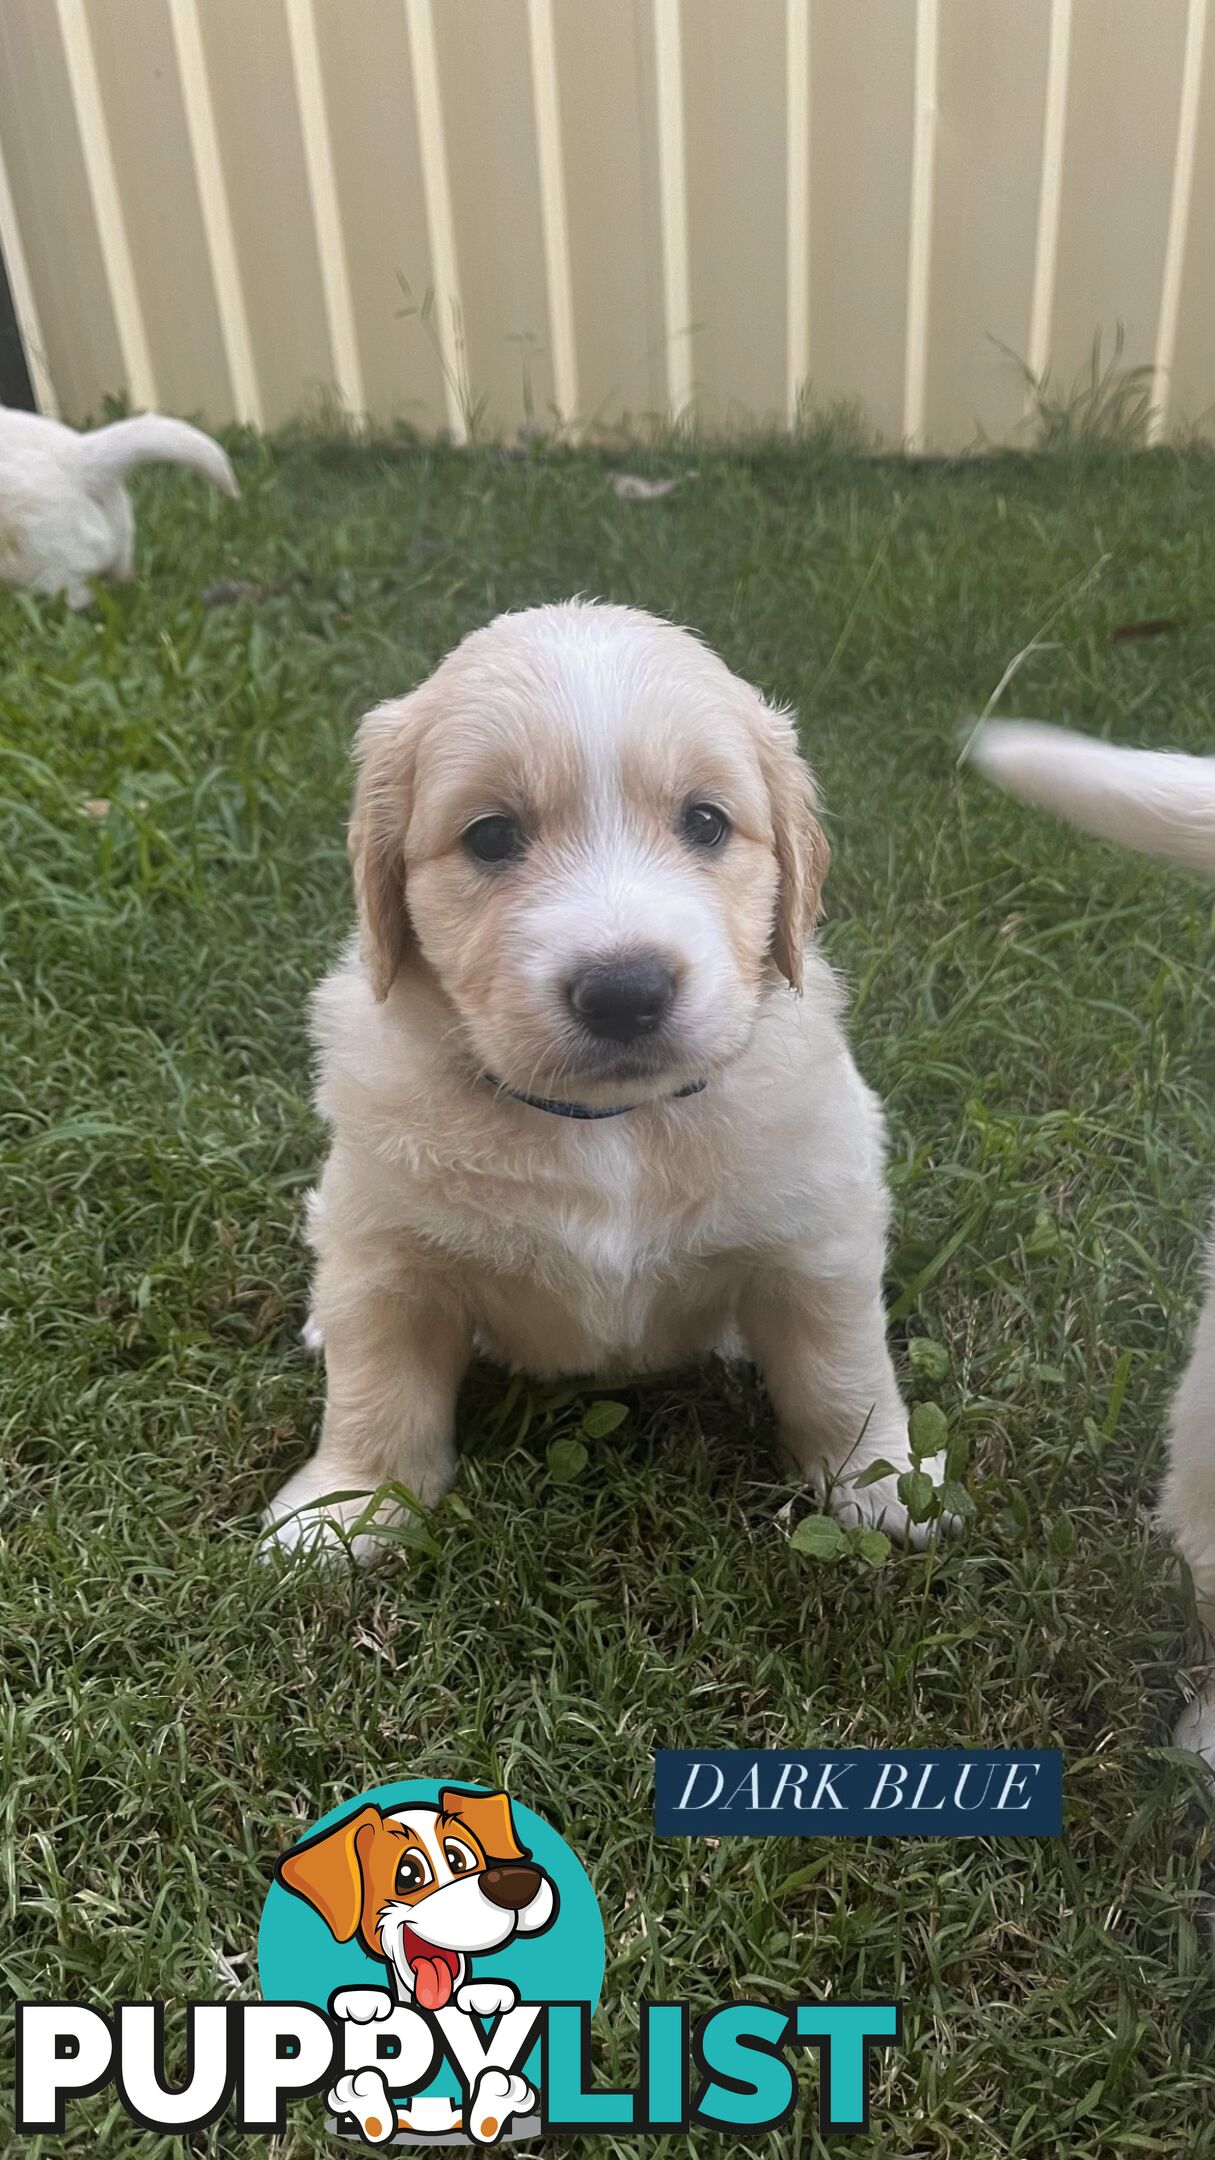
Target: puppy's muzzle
[(622, 1000), (511, 1887)]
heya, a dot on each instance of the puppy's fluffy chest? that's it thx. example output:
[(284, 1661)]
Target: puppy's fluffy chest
[(614, 1245), (584, 1250)]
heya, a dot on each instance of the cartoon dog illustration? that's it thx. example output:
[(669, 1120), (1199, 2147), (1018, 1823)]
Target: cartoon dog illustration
[(425, 1888)]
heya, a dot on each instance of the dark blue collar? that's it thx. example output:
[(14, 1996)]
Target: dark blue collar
[(584, 1110)]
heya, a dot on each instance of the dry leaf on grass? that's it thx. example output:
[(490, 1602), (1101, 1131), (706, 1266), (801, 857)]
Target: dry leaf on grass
[(226, 591), (630, 487), (1127, 632)]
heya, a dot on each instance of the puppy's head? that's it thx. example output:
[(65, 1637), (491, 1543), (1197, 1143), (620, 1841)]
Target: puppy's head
[(599, 841), (424, 1887)]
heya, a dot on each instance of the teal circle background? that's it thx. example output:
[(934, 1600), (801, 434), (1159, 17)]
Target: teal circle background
[(299, 1961)]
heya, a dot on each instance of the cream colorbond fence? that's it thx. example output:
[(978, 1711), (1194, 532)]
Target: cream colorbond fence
[(592, 209)]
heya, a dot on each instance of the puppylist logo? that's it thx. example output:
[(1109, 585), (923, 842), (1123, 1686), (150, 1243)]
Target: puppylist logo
[(430, 1959), (447, 1919)]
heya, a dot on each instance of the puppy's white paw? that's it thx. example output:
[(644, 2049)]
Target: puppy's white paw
[(315, 1510), (878, 1506), (305, 1517), (297, 1527), (365, 2095), (362, 2006), (486, 1998), (497, 2096), (1195, 1728)]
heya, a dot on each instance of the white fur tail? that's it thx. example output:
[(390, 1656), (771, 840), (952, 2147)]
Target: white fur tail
[(110, 453), (1158, 801)]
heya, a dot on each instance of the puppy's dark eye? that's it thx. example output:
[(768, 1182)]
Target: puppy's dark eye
[(494, 840), (703, 825), (458, 1857), (411, 1874)]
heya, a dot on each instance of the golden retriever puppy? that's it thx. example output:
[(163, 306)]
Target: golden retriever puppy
[(1161, 803), (65, 515), (592, 1107)]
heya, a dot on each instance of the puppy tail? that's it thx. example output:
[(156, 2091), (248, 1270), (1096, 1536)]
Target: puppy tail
[(1160, 802), (110, 453)]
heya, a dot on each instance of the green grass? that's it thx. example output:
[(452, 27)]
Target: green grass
[(1030, 1006)]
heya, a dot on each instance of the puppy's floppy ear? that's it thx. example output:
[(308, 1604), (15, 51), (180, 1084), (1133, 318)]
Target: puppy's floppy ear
[(386, 750), (802, 853), (326, 1872), (489, 1818)]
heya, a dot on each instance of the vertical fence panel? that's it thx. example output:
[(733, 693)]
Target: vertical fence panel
[(1191, 384), (734, 77), (25, 315), (1124, 94), (925, 117), (215, 209), (554, 208), (313, 109), (797, 205), (605, 76), (248, 55), (992, 84), (670, 94), (92, 127), (1180, 207), (862, 74), (54, 209), (445, 296), (141, 109), (489, 117), (367, 70), (1050, 194)]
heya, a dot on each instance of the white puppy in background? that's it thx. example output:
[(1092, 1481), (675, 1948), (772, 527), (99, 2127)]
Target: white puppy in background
[(592, 1107), (65, 515), (1163, 804)]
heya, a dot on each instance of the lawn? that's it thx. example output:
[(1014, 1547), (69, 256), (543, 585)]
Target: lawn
[(1030, 1006)]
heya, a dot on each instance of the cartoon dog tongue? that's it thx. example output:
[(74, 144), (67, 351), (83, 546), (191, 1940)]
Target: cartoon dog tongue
[(433, 1970)]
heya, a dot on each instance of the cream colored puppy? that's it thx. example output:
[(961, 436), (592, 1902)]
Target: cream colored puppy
[(65, 515), (592, 1107), (1161, 803)]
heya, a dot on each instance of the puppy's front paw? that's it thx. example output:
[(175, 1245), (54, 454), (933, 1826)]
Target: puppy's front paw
[(1195, 1728), (486, 1998), (498, 2096), (361, 2006), (877, 1506), (311, 1514), (365, 2095), (316, 1510)]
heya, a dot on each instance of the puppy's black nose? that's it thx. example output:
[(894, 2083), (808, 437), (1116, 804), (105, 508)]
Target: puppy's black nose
[(619, 1000), (512, 1886)]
